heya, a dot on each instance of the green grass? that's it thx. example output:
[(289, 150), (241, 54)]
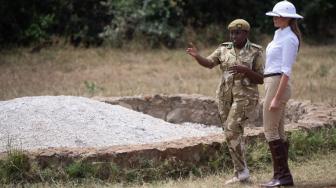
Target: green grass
[(305, 146), (318, 171), (117, 72), (15, 167)]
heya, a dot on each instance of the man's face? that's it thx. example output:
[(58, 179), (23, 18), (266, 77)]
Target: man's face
[(238, 37)]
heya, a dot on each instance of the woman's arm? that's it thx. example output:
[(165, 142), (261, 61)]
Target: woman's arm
[(203, 61), (275, 103), (289, 53), (192, 50)]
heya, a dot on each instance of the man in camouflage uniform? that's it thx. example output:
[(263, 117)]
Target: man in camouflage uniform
[(242, 65)]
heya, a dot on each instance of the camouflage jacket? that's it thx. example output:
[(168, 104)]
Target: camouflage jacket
[(237, 86)]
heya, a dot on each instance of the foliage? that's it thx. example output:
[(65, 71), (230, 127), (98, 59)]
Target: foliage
[(16, 168), (25, 22), (79, 169), (38, 30), (92, 88), (305, 144), (154, 22), (258, 154), (319, 19), (159, 21), (81, 21)]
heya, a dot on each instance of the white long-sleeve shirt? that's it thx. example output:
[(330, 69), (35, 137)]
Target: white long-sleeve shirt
[(281, 52)]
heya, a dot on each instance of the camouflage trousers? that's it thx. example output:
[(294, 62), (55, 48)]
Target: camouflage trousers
[(234, 116)]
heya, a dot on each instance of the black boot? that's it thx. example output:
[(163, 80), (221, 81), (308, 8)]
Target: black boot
[(282, 175)]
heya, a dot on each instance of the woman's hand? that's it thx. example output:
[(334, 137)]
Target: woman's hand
[(192, 50), (275, 104), (238, 69)]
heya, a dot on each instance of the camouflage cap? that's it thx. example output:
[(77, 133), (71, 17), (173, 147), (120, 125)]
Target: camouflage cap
[(239, 24)]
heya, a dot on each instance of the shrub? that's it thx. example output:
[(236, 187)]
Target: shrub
[(306, 143), (258, 154), (153, 22), (15, 168), (80, 169), (159, 21)]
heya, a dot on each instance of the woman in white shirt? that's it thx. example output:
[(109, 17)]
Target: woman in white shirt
[(281, 53)]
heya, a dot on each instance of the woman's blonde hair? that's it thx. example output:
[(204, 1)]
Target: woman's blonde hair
[(295, 28)]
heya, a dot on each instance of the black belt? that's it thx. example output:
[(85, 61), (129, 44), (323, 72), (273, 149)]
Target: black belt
[(272, 74)]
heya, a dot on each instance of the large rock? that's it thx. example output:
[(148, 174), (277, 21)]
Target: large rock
[(175, 109), (184, 108), (203, 110)]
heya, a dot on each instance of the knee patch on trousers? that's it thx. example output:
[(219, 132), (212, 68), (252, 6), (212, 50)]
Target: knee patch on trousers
[(231, 136)]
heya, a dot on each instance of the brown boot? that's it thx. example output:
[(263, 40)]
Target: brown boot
[(286, 144), (282, 175)]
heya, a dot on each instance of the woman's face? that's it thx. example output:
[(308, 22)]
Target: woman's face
[(238, 37), (281, 22)]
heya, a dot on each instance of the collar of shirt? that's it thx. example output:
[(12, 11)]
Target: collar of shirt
[(242, 50), (280, 33), (281, 52)]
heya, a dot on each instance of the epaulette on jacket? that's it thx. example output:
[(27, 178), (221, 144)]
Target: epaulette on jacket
[(227, 44), (256, 46)]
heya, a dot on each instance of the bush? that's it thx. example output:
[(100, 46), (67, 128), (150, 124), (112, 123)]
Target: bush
[(29, 22), (159, 21), (80, 169), (15, 168), (151, 22), (319, 22), (258, 154), (305, 144)]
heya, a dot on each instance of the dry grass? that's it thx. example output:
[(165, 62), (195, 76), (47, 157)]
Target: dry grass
[(111, 72), (314, 173), (320, 171), (314, 74)]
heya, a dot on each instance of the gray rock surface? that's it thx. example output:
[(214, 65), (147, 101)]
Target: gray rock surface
[(68, 121)]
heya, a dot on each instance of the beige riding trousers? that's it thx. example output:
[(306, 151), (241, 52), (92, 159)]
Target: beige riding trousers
[(273, 121)]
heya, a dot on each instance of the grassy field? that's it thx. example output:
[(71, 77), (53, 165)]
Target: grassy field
[(318, 172), (112, 72)]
